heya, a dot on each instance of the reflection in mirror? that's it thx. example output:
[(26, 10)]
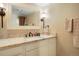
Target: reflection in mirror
[(22, 20), (23, 16)]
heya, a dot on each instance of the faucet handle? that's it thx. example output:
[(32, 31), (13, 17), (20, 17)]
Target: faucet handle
[(37, 34), (30, 34), (25, 35)]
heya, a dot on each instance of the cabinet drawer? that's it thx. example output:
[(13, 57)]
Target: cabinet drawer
[(31, 45), (34, 52), (12, 51)]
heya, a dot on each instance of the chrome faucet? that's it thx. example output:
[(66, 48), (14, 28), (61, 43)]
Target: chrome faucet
[(30, 34)]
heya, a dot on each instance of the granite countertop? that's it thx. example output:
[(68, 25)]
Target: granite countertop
[(20, 40)]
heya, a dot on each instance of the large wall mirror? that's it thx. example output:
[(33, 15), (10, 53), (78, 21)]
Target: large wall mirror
[(23, 15)]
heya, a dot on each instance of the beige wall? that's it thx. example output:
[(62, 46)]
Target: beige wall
[(58, 14), (33, 18)]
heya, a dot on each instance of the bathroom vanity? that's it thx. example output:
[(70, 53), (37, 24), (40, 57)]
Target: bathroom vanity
[(44, 45), (17, 19)]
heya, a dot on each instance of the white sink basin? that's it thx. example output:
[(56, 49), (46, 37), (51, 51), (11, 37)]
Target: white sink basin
[(33, 38), (46, 36)]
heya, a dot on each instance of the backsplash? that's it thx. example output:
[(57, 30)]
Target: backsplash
[(20, 32)]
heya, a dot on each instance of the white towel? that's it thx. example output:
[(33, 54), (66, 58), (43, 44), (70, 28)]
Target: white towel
[(76, 32)]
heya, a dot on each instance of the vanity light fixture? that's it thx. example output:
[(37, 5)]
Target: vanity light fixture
[(42, 20), (2, 13)]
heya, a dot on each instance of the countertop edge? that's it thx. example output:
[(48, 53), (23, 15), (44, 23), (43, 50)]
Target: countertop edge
[(10, 45)]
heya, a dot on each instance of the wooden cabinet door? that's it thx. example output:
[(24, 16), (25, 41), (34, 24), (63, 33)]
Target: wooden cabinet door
[(43, 51), (34, 52), (43, 42), (47, 47), (31, 45), (43, 47), (31, 48), (52, 46), (12, 51)]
